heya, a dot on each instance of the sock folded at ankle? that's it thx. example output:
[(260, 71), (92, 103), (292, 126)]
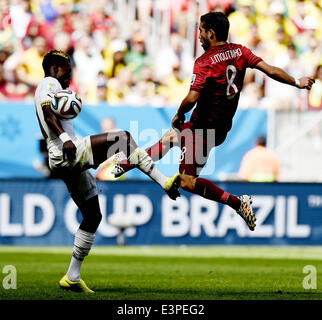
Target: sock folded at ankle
[(82, 245)]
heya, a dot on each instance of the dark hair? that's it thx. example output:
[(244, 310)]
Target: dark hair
[(261, 141), (218, 22), (54, 58)]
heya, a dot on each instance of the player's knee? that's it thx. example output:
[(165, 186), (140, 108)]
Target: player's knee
[(187, 182), (97, 218), (91, 221), (92, 214)]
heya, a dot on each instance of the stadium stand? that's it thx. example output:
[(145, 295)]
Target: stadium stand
[(141, 52)]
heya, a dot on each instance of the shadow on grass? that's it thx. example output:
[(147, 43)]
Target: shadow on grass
[(211, 295)]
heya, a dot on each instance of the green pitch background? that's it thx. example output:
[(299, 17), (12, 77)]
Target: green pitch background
[(145, 273)]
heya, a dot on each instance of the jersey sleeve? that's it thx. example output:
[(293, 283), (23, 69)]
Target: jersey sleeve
[(252, 59), (48, 89), (199, 77)]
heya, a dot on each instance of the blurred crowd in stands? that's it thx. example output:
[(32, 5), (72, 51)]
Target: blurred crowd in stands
[(141, 52)]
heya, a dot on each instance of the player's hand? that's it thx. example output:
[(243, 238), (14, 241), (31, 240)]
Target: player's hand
[(177, 121), (69, 151), (306, 83)]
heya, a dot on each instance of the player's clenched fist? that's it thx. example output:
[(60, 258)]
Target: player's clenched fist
[(69, 151), (177, 121), (306, 83)]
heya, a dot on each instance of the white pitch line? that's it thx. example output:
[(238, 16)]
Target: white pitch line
[(266, 252)]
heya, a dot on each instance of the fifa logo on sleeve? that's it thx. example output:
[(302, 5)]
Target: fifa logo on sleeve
[(51, 88), (193, 79)]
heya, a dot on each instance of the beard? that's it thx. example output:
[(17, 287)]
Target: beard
[(64, 83), (205, 44)]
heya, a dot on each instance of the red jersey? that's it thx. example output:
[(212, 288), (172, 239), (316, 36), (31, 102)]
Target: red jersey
[(218, 76)]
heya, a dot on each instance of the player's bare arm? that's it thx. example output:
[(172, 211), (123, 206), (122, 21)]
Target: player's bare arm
[(69, 149), (186, 105), (282, 76)]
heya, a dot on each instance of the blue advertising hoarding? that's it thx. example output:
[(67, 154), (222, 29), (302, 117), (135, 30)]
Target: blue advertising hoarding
[(20, 134), (40, 212)]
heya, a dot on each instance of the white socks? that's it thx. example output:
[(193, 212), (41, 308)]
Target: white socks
[(82, 245), (73, 272), (158, 177), (143, 161)]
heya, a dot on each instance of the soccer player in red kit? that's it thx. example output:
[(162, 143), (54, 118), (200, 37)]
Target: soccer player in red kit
[(217, 80)]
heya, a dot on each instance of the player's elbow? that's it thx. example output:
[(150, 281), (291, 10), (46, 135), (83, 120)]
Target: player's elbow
[(268, 69), (274, 72), (192, 97)]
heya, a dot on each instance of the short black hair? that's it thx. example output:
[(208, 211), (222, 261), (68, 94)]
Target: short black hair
[(54, 58), (218, 22), (261, 141)]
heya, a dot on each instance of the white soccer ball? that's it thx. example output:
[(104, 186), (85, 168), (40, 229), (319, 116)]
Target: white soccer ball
[(66, 104)]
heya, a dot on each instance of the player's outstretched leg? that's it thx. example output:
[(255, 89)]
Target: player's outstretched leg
[(140, 158), (107, 144), (156, 152), (209, 190)]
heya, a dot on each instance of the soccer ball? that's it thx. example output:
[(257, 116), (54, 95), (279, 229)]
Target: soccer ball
[(66, 104)]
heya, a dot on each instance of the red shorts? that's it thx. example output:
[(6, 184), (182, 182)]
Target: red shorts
[(196, 145)]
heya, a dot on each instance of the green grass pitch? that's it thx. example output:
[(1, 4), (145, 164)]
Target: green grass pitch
[(166, 273)]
